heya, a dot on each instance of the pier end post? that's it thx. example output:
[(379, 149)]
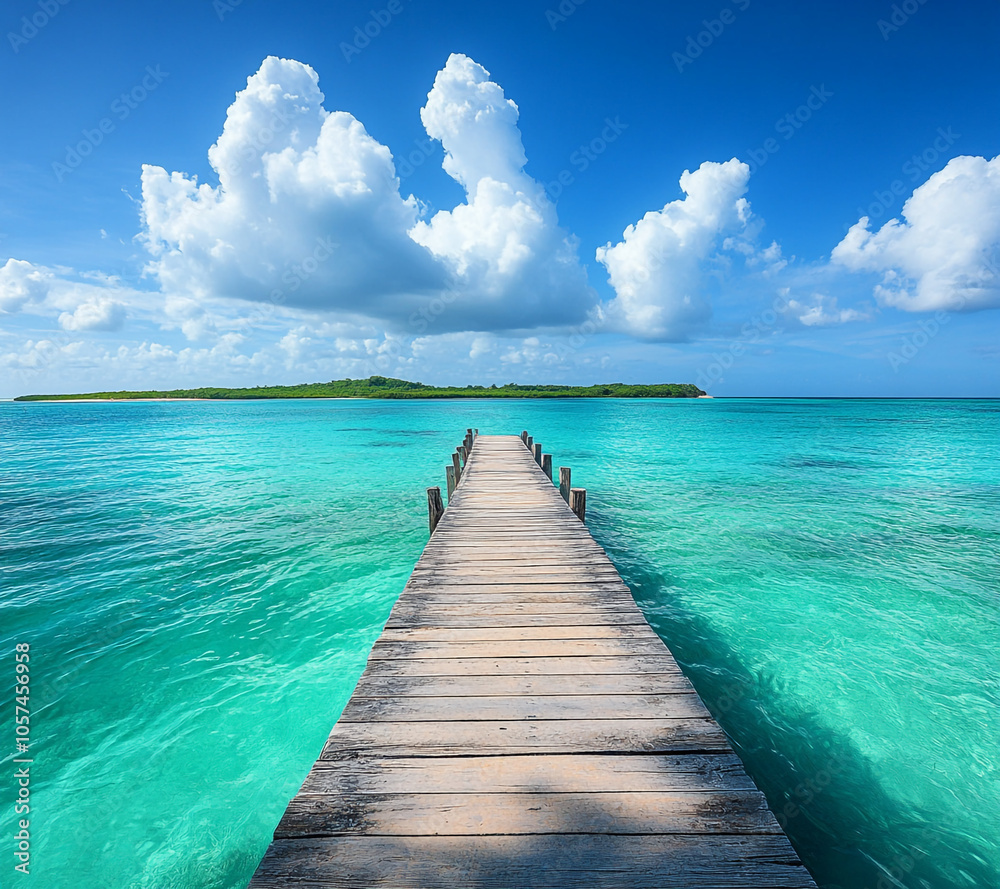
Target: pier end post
[(435, 507), (564, 482), (578, 502)]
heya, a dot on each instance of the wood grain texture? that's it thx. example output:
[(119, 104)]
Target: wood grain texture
[(519, 724), (609, 630), (373, 685), (584, 861), (511, 814), (417, 708), (507, 737), (550, 773), (484, 666)]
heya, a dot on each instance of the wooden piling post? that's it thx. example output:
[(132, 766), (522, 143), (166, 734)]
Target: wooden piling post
[(578, 502), (524, 437), (449, 472), (456, 462), (435, 507), (531, 444), (547, 465), (464, 455), (564, 482), (538, 454), (475, 433)]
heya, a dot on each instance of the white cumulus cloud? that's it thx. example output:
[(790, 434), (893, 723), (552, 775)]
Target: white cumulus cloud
[(77, 305), (308, 212), (945, 252), (823, 311), (657, 268), (21, 282), (95, 314), (504, 245)]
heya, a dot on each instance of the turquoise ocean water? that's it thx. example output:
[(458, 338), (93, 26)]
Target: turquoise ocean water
[(200, 584)]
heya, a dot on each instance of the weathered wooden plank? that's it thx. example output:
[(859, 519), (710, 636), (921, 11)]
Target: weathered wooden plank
[(433, 633), (506, 737), (538, 666), (594, 861), (573, 773), (524, 567), (510, 603), (473, 546), (467, 617), (500, 558), (522, 706), (516, 570), (374, 685), (512, 814), (598, 607), (502, 597), (599, 592), (525, 648)]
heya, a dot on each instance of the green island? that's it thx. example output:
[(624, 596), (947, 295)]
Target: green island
[(387, 387)]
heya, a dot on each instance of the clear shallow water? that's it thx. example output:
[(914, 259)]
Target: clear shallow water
[(200, 584)]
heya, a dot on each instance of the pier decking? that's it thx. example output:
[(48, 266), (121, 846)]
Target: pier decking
[(519, 724)]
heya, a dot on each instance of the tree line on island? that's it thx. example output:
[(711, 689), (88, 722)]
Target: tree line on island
[(387, 387)]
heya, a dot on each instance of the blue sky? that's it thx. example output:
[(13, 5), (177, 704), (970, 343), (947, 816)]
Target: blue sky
[(458, 192)]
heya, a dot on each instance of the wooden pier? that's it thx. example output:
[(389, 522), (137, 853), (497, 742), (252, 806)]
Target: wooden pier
[(519, 724)]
